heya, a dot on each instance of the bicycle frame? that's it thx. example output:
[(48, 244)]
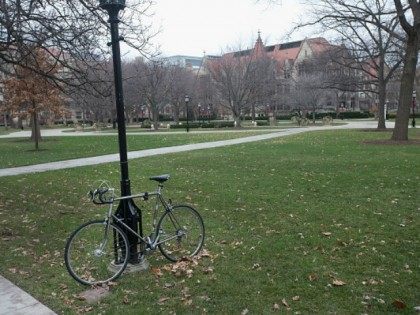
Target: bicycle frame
[(159, 200)]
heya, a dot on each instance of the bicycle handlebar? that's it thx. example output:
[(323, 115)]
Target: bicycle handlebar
[(97, 196)]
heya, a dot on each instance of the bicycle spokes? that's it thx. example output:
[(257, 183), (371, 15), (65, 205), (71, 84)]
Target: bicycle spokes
[(182, 233)]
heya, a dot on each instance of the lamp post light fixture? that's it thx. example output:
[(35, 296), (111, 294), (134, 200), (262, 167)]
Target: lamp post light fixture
[(127, 210), (413, 122), (187, 100)]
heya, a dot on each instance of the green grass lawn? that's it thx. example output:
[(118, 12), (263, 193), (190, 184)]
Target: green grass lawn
[(318, 221), (20, 151), (4, 131)]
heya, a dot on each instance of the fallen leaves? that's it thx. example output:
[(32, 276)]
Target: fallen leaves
[(284, 303), (338, 282), (162, 300), (157, 272), (185, 267), (313, 277), (399, 304)]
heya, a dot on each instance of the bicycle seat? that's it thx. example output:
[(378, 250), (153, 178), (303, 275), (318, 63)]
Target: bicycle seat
[(160, 178)]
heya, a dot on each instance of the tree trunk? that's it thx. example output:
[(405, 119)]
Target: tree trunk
[(155, 114), (175, 113), (253, 111), (20, 123), (5, 121), (36, 132), (313, 115), (381, 106), (406, 89), (237, 120)]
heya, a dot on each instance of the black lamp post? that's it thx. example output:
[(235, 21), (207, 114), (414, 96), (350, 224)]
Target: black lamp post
[(126, 209), (413, 123), (187, 100)]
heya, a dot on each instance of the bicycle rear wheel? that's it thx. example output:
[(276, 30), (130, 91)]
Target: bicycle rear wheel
[(96, 252), (181, 233)]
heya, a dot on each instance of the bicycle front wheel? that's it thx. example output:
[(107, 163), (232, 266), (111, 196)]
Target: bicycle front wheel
[(96, 253), (181, 233)]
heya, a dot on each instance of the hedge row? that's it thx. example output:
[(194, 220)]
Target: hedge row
[(343, 115), (394, 115), (216, 124)]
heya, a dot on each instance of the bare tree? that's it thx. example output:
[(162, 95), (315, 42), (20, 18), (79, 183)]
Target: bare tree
[(73, 33), (242, 80), (412, 45), (310, 92), (231, 76), (263, 85), (181, 81), (154, 87), (367, 28), (97, 97), (206, 94)]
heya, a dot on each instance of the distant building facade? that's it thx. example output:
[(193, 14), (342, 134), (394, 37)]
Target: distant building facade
[(291, 59), (189, 62)]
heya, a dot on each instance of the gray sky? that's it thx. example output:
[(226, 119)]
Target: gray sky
[(190, 27)]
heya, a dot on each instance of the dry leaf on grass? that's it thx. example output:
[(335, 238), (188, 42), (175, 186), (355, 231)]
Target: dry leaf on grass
[(338, 282), (312, 277), (157, 272), (163, 300), (399, 304)]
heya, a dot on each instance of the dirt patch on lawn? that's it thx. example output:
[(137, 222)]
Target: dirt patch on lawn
[(393, 142)]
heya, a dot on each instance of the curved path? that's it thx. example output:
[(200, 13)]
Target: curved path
[(165, 150)]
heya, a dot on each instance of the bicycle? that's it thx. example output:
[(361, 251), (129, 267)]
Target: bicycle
[(98, 251)]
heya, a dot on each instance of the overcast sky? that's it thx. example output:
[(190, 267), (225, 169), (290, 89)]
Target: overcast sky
[(190, 27)]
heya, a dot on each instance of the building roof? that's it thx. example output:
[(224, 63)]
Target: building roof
[(283, 52)]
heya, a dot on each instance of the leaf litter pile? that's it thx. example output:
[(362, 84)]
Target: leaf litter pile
[(167, 277)]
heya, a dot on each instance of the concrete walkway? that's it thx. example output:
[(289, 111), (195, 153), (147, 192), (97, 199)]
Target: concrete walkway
[(15, 301), (165, 150), (70, 133)]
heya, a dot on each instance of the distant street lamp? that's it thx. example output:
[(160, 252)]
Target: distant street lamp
[(413, 123), (126, 209), (187, 100)]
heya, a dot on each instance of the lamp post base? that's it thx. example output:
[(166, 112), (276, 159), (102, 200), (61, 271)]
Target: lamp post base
[(142, 265)]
